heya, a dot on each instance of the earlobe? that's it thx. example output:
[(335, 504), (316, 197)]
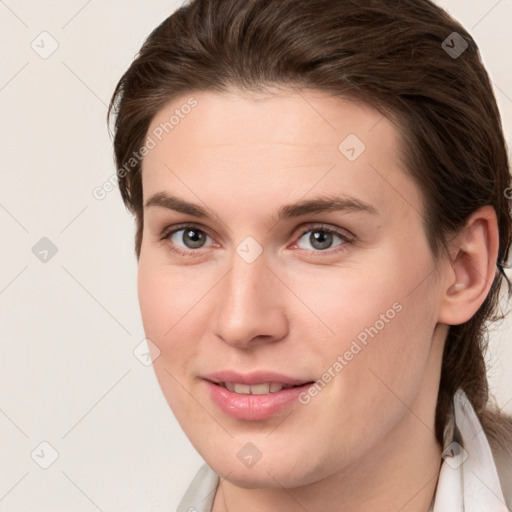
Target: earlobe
[(471, 268)]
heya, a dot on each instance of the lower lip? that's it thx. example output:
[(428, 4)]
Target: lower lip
[(254, 407)]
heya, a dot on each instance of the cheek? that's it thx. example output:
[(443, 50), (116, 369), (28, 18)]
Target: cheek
[(380, 321), (375, 365), (395, 359), (166, 295), (349, 301), (153, 302), (165, 308), (165, 321)]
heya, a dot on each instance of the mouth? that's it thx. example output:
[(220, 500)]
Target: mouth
[(254, 397)]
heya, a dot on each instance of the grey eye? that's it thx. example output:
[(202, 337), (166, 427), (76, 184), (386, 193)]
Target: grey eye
[(320, 239), (192, 238)]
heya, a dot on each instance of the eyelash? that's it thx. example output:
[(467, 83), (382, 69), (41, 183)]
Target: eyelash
[(346, 239)]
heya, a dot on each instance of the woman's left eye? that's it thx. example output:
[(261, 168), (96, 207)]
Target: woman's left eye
[(191, 237), (321, 238)]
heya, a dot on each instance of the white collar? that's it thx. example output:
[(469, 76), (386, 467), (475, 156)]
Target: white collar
[(468, 479)]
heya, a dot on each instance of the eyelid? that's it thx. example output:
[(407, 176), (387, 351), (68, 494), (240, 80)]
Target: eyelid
[(178, 227), (321, 226)]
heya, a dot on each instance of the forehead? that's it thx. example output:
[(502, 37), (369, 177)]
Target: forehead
[(276, 146), (302, 119)]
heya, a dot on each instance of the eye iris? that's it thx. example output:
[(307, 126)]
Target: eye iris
[(324, 238), (196, 238)]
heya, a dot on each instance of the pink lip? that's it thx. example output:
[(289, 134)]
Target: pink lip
[(253, 407)]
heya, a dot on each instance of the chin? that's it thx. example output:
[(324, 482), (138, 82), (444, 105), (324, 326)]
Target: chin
[(253, 478), (275, 471)]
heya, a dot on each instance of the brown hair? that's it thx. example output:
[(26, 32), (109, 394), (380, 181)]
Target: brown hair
[(392, 54)]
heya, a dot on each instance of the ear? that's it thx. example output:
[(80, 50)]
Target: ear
[(473, 258)]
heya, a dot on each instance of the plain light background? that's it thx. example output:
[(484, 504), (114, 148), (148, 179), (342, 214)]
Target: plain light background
[(69, 326)]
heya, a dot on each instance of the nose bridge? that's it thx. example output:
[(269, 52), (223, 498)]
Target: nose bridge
[(248, 301)]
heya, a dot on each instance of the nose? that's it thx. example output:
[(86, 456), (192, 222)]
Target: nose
[(250, 305)]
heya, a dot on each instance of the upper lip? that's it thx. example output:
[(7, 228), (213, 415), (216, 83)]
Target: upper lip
[(253, 378)]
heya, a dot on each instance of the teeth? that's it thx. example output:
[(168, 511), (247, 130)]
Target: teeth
[(256, 389), (242, 389), (260, 389)]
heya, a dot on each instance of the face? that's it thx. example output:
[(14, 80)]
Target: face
[(286, 283)]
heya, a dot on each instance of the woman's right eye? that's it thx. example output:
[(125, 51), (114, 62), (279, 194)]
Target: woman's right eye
[(186, 238)]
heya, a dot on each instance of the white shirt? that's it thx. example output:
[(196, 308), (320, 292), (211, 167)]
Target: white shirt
[(468, 479)]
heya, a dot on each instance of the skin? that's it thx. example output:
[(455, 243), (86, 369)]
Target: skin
[(366, 441)]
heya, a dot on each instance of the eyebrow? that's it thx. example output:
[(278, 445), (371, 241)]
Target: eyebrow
[(322, 204)]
